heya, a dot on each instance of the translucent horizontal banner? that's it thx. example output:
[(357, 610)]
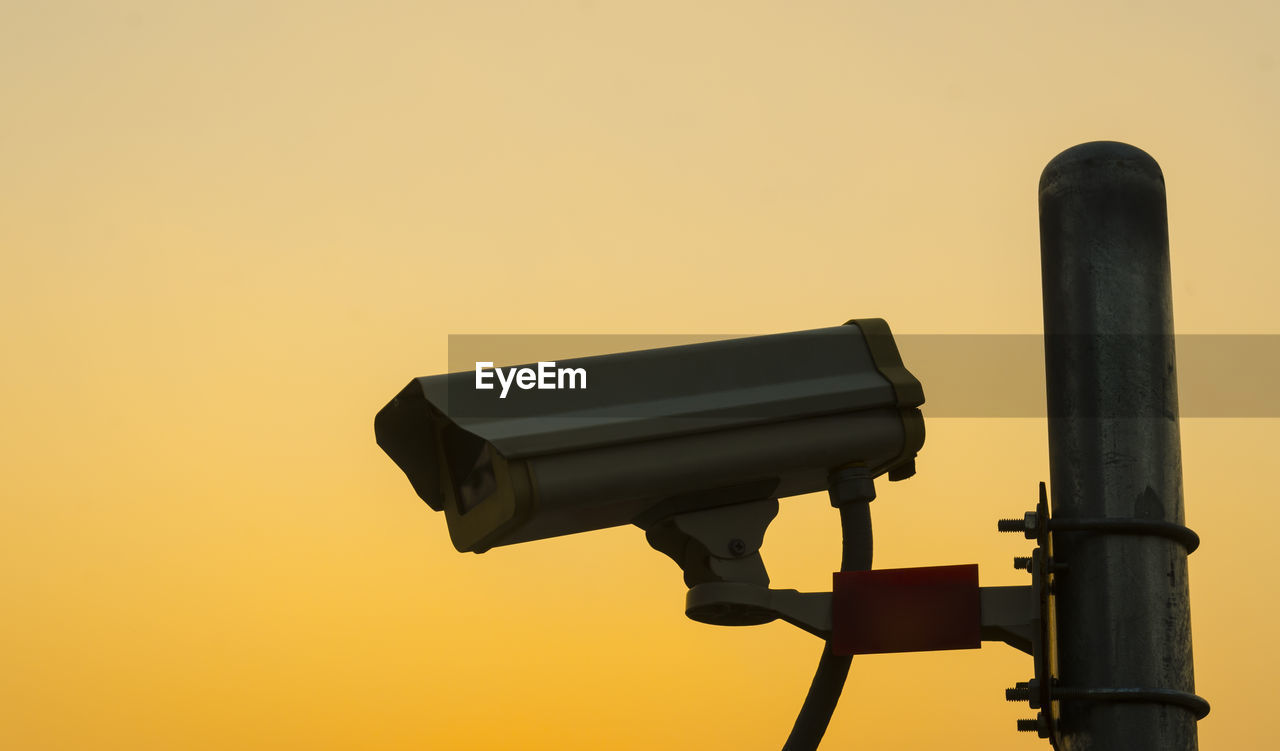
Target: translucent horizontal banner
[(980, 375)]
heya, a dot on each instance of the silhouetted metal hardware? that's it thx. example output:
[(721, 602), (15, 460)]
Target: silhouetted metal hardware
[(1043, 692)]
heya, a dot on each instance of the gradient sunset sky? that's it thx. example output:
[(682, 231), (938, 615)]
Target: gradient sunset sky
[(232, 231)]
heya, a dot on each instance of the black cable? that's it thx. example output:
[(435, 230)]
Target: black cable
[(828, 680)]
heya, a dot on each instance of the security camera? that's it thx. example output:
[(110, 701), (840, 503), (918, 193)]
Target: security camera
[(553, 448)]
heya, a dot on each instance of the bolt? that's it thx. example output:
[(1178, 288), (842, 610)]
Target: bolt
[(1028, 525), (1020, 692), (1022, 562), (737, 548), (1039, 726)]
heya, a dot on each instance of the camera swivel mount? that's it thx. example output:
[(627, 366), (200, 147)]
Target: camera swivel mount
[(718, 549)]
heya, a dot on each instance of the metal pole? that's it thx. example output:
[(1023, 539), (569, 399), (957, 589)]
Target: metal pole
[(1123, 609)]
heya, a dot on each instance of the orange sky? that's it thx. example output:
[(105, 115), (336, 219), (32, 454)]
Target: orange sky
[(231, 232)]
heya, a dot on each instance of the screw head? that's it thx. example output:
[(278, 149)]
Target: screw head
[(737, 547)]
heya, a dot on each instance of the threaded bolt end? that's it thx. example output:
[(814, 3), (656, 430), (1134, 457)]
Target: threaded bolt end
[(1017, 694), (1011, 525)]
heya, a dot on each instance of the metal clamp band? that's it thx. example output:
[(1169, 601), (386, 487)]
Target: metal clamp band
[(1151, 527), (1184, 699)]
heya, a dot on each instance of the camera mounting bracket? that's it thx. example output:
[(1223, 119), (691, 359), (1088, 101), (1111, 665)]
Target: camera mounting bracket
[(733, 604), (720, 544), (719, 551)]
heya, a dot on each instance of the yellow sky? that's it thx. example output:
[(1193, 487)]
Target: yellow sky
[(230, 232)]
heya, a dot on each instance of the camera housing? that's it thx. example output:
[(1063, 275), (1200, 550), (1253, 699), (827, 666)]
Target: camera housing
[(656, 432)]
